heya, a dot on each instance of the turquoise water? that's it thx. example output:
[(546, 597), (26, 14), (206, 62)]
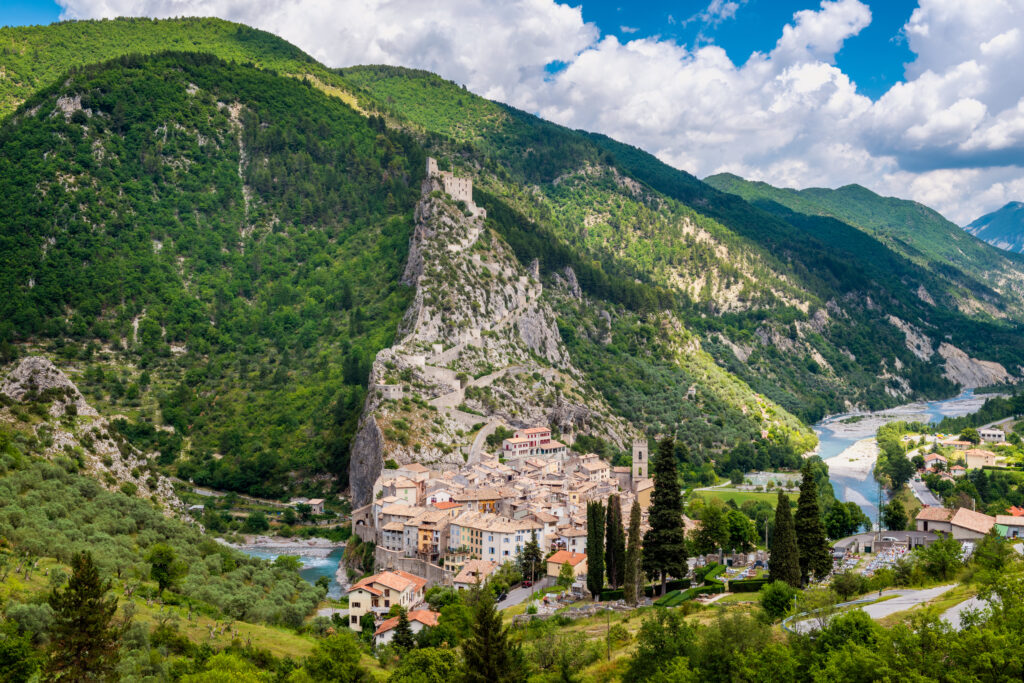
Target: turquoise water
[(865, 492), (312, 567)]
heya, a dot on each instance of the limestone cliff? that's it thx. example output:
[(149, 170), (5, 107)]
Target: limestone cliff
[(72, 428), (478, 346)]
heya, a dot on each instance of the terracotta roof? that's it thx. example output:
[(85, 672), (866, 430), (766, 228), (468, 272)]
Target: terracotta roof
[(563, 556), (475, 570), (1015, 511), (974, 521), (1009, 520), (570, 533), (479, 494), (395, 580), (517, 440), (535, 430), (934, 514), (413, 467), (447, 505), (594, 466), (393, 526), (425, 617)]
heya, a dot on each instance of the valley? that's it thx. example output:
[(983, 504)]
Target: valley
[(318, 374)]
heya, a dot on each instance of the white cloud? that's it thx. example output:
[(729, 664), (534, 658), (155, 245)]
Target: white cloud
[(951, 135)]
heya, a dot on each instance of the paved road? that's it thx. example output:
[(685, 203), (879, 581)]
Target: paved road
[(952, 615), (923, 494), (905, 599), (518, 595)]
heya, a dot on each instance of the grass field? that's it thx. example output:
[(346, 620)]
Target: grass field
[(739, 497)]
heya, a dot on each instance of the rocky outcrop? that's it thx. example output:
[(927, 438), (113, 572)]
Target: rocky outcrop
[(971, 372), (75, 429), (917, 342), (478, 345)]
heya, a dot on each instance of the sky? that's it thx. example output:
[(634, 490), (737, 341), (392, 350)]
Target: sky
[(914, 99)]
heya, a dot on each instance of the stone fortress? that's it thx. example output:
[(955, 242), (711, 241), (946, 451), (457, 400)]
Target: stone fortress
[(460, 189)]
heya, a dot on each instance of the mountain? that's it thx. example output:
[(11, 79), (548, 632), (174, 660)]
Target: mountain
[(977, 277), (241, 245), (1003, 228)]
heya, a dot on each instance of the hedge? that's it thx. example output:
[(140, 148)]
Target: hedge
[(649, 591), (747, 585), (711, 578)]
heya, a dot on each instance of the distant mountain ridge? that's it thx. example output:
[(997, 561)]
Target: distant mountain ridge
[(1003, 228)]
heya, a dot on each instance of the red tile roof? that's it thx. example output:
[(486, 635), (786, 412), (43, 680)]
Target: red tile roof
[(934, 514), (563, 556), (447, 505), (974, 521), (425, 617)]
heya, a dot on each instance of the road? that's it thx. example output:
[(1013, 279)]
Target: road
[(952, 615), (922, 493), (904, 600), (518, 595)]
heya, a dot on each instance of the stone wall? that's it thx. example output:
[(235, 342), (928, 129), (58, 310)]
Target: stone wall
[(390, 559)]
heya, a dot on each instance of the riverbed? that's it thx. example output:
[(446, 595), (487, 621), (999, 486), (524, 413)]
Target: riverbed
[(850, 451), (316, 562)]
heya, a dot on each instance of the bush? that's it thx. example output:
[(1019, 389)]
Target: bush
[(777, 599)]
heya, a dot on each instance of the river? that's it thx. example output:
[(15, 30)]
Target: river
[(314, 564), (837, 439)]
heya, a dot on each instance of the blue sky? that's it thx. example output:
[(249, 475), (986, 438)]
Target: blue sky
[(911, 98), (874, 59)]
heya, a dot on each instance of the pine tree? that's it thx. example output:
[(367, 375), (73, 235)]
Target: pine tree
[(83, 643), (665, 542), (614, 543), (531, 559), (488, 655), (815, 559), (632, 582), (784, 560), (595, 547), (403, 639)]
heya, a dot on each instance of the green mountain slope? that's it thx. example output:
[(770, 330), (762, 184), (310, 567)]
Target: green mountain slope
[(982, 278), (787, 303), (215, 239), (1003, 228)]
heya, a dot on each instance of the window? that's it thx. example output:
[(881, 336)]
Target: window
[(387, 603), (354, 619), (355, 605)]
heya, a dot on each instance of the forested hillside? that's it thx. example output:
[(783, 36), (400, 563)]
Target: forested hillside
[(1003, 228), (214, 239)]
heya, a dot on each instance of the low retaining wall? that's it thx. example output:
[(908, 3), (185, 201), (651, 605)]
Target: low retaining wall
[(392, 559)]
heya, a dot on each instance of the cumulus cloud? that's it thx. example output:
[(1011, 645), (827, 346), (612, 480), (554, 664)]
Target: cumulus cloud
[(951, 135)]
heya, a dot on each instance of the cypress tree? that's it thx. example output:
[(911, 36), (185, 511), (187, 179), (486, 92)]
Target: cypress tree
[(488, 655), (665, 542), (83, 643), (615, 543), (815, 559), (531, 560), (595, 548), (632, 582), (784, 562), (404, 639)]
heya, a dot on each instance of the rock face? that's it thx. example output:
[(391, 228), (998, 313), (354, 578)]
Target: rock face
[(971, 372), (478, 346), (917, 342), (76, 430)]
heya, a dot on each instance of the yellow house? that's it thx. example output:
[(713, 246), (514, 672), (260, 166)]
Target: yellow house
[(578, 562)]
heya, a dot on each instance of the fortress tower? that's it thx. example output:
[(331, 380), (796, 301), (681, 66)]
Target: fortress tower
[(460, 189)]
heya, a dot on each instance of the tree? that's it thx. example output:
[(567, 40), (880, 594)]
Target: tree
[(844, 519), (664, 635), (971, 434), (84, 642), (488, 655), (403, 638), (165, 568), (900, 470), (595, 547), (615, 543), (815, 559), (427, 665), (848, 583), (784, 559), (894, 516), (531, 560), (941, 559), (776, 599), (741, 532), (335, 659), (665, 542), (632, 582), (713, 532), (288, 516), (305, 511), (256, 523), (565, 575)]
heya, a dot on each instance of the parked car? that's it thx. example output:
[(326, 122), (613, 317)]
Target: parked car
[(527, 583), (502, 597)]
